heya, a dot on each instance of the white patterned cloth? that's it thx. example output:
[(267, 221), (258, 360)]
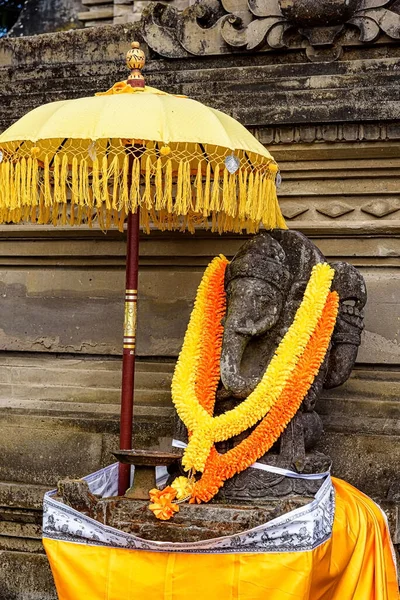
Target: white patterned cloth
[(299, 530)]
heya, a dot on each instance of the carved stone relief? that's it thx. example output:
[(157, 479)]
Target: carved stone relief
[(212, 27)]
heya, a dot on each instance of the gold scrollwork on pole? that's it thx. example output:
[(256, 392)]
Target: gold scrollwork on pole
[(130, 319)]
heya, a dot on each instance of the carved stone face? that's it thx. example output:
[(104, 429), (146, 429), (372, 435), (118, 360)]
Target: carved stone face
[(318, 13), (254, 306), (265, 284)]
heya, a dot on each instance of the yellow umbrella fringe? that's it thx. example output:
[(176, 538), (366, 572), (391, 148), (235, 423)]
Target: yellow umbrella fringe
[(34, 188), (123, 204), (233, 191), (115, 181), (18, 185), (215, 193), (250, 188), (179, 190), (89, 217), (75, 184), (115, 218), (225, 192), (207, 191), (109, 219), (46, 213), (159, 194), (269, 212), (64, 214), (3, 197), (54, 214), (3, 206), (135, 185), (96, 187), (100, 218), (254, 197), (168, 197), (104, 183), (121, 220), (63, 178), (199, 188), (79, 215), (5, 188), (24, 170), (242, 194), (28, 189), (56, 180), (147, 192), (12, 202), (144, 219), (88, 186), (47, 184), (188, 195), (83, 185), (80, 186), (245, 198), (191, 225)]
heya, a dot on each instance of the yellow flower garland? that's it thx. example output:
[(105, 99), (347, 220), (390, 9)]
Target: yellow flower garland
[(206, 430)]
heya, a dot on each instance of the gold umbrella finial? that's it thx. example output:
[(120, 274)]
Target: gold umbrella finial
[(135, 59)]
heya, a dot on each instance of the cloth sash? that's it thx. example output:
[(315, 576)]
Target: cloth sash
[(337, 547)]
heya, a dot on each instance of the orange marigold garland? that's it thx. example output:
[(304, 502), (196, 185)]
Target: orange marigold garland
[(207, 378), (220, 467), (208, 370)]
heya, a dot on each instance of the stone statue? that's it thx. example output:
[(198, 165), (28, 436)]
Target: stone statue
[(265, 284)]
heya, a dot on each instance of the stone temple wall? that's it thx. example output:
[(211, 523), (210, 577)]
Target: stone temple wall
[(95, 13), (331, 121)]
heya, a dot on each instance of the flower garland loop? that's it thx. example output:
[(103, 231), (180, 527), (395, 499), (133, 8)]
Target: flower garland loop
[(272, 404), (206, 430), (220, 467)]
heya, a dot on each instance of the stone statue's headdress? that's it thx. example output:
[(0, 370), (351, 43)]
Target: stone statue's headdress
[(263, 258)]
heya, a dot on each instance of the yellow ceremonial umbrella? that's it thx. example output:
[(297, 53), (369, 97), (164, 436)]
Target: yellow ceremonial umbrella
[(140, 155)]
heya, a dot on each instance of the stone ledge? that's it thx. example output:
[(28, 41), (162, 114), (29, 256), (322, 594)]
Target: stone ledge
[(98, 14), (25, 496)]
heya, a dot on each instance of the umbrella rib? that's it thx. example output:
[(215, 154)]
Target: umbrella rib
[(206, 157), (248, 159), (20, 146), (60, 147)]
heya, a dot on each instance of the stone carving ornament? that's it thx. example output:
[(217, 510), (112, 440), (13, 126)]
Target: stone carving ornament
[(212, 27)]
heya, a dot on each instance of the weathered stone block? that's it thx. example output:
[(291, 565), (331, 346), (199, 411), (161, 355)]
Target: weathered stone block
[(97, 14), (39, 453), (122, 10), (25, 577)]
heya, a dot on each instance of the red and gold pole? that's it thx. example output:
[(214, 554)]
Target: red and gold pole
[(135, 61), (128, 358)]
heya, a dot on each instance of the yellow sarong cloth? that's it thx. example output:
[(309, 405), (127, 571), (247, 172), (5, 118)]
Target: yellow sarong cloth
[(356, 563)]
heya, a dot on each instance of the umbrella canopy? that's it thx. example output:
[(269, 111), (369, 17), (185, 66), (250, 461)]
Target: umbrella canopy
[(180, 162), (135, 153)]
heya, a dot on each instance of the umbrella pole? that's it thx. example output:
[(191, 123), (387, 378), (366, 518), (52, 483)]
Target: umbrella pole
[(135, 61), (128, 359)]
